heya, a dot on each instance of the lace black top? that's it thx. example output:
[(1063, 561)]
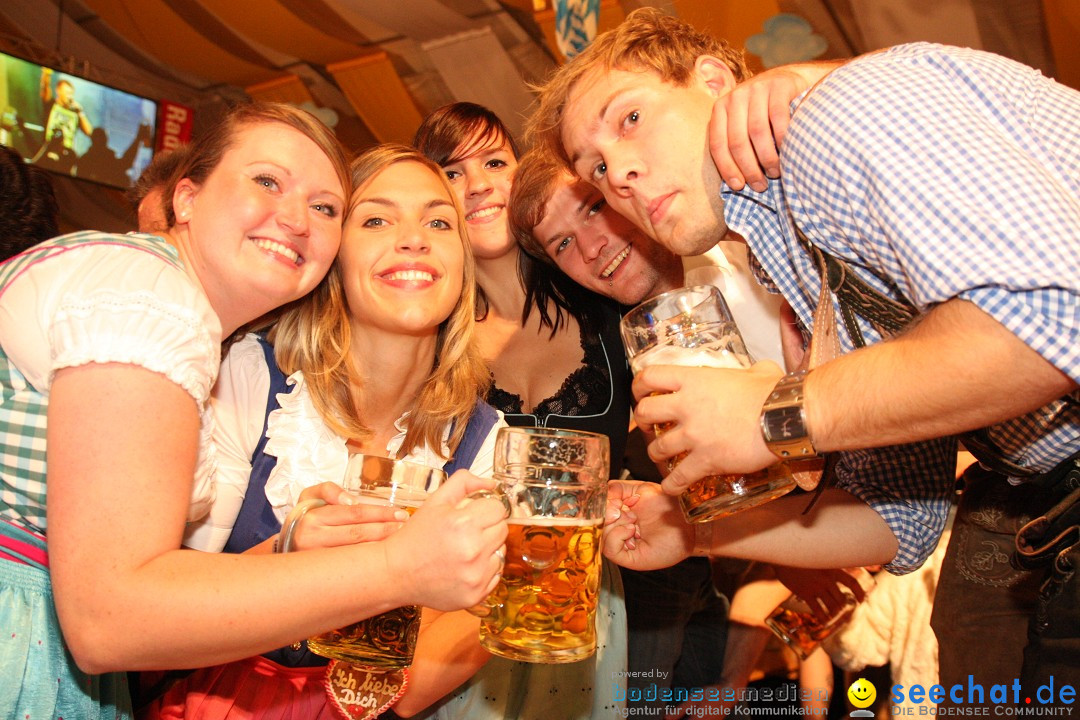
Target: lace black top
[(595, 397)]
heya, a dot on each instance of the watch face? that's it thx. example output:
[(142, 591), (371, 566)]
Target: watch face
[(784, 423)]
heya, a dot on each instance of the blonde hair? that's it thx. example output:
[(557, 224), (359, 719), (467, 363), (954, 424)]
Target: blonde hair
[(647, 40), (314, 337)]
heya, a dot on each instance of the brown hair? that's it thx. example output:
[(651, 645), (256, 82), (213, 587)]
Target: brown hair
[(314, 337), (537, 177), (158, 174), (647, 39), (452, 132), (203, 156), (455, 131)]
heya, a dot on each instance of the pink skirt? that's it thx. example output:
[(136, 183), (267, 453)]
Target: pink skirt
[(254, 688)]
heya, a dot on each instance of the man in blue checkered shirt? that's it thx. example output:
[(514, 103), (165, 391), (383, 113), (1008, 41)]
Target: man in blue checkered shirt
[(946, 182)]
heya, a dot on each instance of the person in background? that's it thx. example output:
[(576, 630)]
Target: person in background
[(552, 365), (28, 207), (64, 115), (147, 195), (760, 589), (926, 288), (110, 346), (398, 304)]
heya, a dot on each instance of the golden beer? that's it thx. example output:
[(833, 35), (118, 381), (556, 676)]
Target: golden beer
[(718, 495), (387, 640), (544, 607), (802, 631), (692, 327)]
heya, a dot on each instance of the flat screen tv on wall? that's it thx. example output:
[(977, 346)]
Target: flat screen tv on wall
[(74, 126)]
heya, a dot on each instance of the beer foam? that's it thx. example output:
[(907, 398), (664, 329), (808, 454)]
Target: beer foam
[(701, 356)]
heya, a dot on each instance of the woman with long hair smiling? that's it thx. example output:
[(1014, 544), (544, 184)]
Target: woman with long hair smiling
[(379, 360)]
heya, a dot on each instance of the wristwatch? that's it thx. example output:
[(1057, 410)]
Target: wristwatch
[(783, 419)]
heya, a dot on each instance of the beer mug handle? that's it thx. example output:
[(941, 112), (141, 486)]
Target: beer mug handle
[(292, 521), (481, 494), (484, 608)]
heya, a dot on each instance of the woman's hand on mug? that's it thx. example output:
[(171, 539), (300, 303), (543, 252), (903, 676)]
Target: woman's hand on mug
[(343, 520), (450, 552)]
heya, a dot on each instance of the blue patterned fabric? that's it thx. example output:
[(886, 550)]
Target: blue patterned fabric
[(950, 173), (576, 24), (41, 679)]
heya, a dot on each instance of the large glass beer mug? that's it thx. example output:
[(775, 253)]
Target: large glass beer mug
[(387, 640), (803, 630), (555, 485), (693, 327)]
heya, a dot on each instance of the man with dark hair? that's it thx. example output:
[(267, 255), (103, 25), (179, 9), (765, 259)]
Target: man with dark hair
[(565, 222), (28, 207), (147, 195)]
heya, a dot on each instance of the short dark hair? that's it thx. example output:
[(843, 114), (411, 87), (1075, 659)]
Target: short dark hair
[(537, 178), (443, 134), (157, 174), (28, 207)]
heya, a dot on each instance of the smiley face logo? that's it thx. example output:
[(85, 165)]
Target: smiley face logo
[(862, 693)]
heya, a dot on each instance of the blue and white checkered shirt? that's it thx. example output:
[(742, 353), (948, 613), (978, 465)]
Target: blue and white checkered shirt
[(952, 173)]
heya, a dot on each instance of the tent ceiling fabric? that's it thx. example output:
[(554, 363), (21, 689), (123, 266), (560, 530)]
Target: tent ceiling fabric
[(420, 20), (275, 26), (382, 64), (211, 51), (325, 18), (477, 69)]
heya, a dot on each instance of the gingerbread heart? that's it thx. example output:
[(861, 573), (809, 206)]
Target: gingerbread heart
[(361, 693)]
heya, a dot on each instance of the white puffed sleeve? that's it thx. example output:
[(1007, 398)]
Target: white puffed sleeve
[(107, 302)]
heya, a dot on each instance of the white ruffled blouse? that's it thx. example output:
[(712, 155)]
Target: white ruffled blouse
[(307, 451)]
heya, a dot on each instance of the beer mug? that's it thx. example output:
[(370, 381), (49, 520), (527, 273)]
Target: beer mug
[(554, 483), (693, 327), (798, 627), (387, 640)]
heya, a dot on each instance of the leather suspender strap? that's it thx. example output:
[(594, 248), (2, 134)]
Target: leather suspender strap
[(857, 298)]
